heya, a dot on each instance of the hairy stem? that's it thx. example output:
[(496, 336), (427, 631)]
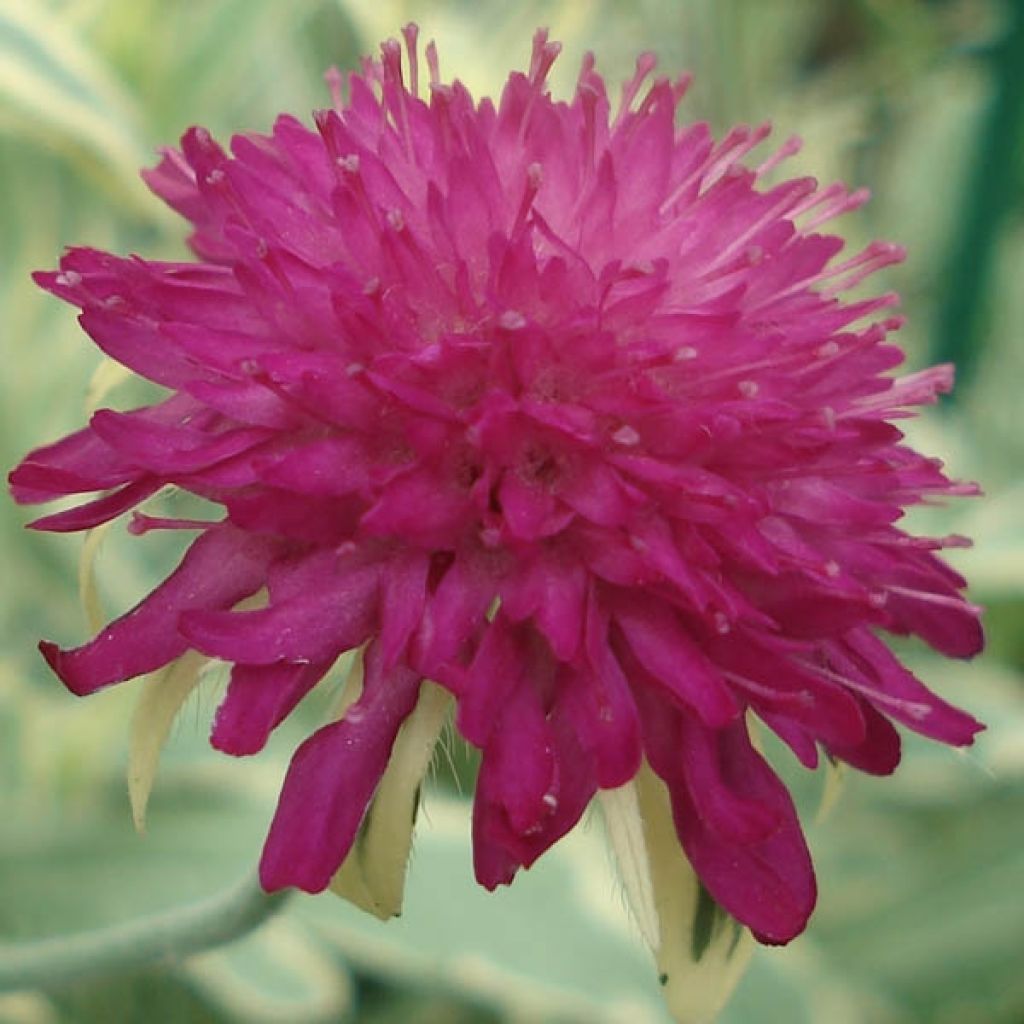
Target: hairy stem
[(167, 936)]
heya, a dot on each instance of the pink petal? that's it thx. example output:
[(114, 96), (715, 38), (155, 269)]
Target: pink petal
[(768, 884), (102, 510), (220, 568), (258, 699), (335, 613), (897, 692), (330, 783), (597, 702), (660, 642)]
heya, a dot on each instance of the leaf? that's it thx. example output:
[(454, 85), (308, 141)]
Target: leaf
[(26, 1008), (162, 697), (55, 89), (556, 945), (276, 975), (703, 952)]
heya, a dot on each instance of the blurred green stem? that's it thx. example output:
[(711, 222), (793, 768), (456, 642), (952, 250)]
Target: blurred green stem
[(989, 192), (167, 936)]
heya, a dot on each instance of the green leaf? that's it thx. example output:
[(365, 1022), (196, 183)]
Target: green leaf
[(557, 945), (278, 974), (56, 90)]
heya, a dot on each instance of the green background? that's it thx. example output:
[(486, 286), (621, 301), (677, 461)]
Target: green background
[(920, 917)]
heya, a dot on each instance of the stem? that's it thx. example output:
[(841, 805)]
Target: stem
[(170, 936), (988, 194)]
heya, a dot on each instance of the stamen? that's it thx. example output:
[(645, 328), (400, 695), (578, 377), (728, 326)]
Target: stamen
[(844, 203), (544, 55), (534, 180), (391, 62), (432, 63), (804, 698), (789, 148), (332, 76), (645, 64), (740, 141), (943, 600), (911, 707), (871, 258), (141, 523), (411, 34)]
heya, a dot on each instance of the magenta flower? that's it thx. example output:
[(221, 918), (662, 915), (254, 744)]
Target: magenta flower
[(556, 405)]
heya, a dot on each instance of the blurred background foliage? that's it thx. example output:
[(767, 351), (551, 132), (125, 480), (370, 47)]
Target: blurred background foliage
[(920, 917)]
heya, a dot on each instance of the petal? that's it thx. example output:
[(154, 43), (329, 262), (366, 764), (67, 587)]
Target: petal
[(499, 847), (493, 677), (77, 463), (373, 874), (768, 884), (722, 810), (657, 637), (102, 510), (599, 704), (258, 699), (879, 752), (403, 596), (220, 568), (171, 449), (877, 675), (552, 591), (335, 613), (420, 507), (454, 611), (330, 782)]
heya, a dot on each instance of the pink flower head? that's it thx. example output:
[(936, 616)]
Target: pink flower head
[(558, 405)]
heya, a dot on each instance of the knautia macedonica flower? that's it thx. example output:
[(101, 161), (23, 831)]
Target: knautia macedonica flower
[(556, 405)]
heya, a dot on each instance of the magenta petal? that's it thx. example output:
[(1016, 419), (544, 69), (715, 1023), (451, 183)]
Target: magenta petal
[(258, 699), (505, 800), (329, 784), (171, 449), (518, 768), (599, 704), (552, 592), (794, 736), (728, 815), (878, 753), (328, 467), (102, 510), (403, 596), (768, 884), (77, 463), (454, 611), (897, 692), (661, 644), (315, 625), (943, 620), (493, 676), (220, 568), (418, 506)]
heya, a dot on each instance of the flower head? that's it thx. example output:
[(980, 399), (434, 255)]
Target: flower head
[(558, 405)]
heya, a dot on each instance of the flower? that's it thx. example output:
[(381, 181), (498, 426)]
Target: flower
[(560, 408)]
